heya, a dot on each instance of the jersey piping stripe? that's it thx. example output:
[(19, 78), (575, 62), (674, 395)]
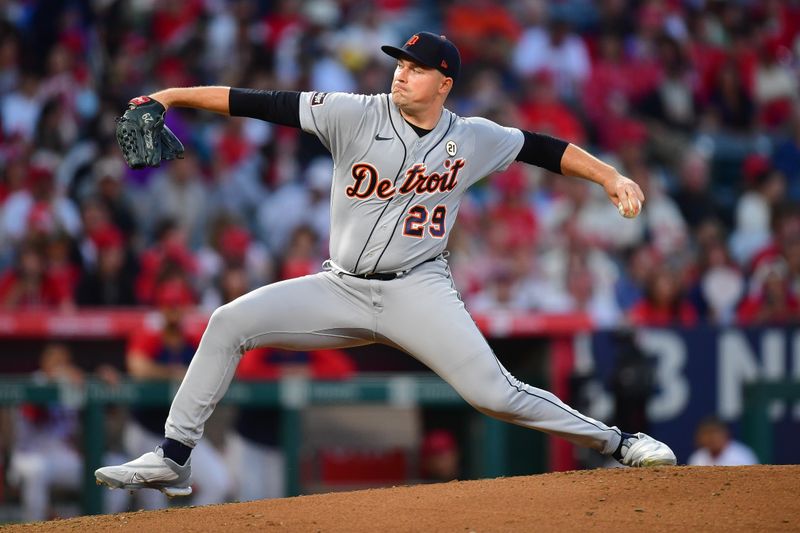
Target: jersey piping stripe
[(505, 375), (449, 125), (386, 205), (394, 230)]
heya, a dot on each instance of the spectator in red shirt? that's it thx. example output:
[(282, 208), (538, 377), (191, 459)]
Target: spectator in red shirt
[(163, 351), (230, 245), (543, 112), (785, 226), (110, 282), (439, 457), (40, 209), (771, 300), (617, 79), (664, 303), (513, 214), (173, 23), (61, 271), (283, 19), (27, 285), (302, 255), (168, 256)]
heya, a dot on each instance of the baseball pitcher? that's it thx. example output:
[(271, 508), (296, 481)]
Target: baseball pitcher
[(402, 163)]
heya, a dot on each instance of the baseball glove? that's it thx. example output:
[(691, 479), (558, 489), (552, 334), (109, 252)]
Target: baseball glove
[(143, 137)]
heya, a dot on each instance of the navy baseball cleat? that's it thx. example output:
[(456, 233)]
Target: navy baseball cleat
[(643, 450), (150, 471)]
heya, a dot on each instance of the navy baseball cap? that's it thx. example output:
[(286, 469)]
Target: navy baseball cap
[(431, 50)]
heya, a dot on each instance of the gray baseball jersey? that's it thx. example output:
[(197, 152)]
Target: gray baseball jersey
[(395, 197)]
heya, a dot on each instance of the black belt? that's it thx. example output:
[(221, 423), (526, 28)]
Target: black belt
[(383, 276), (386, 276)]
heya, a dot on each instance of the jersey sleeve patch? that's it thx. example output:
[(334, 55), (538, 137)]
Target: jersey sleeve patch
[(318, 99)]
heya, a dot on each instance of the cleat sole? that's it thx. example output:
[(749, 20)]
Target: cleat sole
[(176, 492), (172, 492), (658, 462)]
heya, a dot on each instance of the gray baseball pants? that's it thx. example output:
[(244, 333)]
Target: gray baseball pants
[(419, 313)]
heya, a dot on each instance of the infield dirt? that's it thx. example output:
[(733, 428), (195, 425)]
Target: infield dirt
[(755, 498)]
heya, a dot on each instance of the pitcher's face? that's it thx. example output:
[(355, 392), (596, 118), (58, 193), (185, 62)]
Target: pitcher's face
[(416, 86)]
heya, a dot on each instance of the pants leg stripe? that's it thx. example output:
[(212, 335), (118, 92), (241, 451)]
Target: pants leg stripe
[(518, 389)]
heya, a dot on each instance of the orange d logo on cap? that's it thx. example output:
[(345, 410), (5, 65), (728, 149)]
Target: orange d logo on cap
[(413, 40)]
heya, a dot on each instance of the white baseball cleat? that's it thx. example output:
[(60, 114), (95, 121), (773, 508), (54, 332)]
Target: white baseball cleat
[(643, 450), (150, 471)]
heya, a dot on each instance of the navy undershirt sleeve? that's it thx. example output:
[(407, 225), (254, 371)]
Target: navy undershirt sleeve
[(278, 107), (543, 151)]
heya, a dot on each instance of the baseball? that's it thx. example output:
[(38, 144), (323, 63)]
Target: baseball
[(629, 214)]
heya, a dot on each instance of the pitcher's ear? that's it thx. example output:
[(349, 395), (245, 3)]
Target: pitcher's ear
[(447, 83)]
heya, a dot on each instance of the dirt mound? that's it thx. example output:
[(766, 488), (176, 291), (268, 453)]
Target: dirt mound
[(755, 498)]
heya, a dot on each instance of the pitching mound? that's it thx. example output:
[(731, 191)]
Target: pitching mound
[(757, 498)]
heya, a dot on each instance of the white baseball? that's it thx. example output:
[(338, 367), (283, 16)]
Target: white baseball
[(629, 213)]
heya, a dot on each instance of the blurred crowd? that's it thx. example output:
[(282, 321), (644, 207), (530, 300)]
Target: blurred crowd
[(697, 100)]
